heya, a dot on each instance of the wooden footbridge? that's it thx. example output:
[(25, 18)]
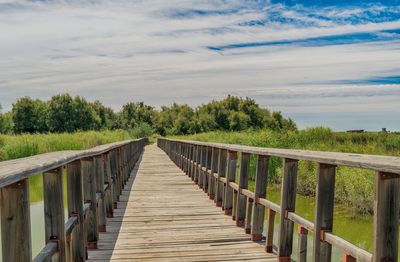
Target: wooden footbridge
[(129, 202)]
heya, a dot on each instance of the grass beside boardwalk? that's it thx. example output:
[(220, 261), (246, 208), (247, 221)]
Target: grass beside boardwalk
[(17, 146), (354, 187)]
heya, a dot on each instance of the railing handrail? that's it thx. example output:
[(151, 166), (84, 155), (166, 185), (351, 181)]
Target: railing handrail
[(12, 171), (390, 164), (213, 166), (95, 179)]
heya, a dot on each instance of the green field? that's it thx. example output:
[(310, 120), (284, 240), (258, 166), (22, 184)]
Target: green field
[(17, 146), (354, 187)]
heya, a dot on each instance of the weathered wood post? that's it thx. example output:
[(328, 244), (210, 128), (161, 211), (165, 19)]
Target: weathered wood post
[(260, 191), (75, 209), (110, 191), (205, 164), (197, 162), (243, 184), (54, 211), (323, 221), (386, 215), (101, 209), (230, 178), (201, 162), (269, 247), (288, 203), (222, 155), (16, 222), (214, 169), (302, 244), (249, 214), (89, 196)]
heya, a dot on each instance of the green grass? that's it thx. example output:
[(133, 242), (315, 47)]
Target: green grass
[(354, 187), (17, 146)]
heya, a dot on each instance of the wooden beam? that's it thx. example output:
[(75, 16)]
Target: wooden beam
[(269, 242), (89, 196), (386, 215), (243, 184), (16, 222), (260, 191), (323, 218), (54, 221), (222, 157), (302, 244), (75, 208), (288, 204), (230, 177)]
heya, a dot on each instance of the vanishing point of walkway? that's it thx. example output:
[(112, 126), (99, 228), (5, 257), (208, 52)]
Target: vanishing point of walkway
[(163, 216)]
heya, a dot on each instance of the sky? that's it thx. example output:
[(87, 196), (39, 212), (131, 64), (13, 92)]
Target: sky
[(330, 63)]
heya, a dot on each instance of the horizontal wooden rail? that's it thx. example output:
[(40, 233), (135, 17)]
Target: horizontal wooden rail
[(95, 179), (217, 162)]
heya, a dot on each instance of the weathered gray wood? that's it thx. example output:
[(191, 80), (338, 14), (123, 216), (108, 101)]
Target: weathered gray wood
[(16, 222), (249, 214), (75, 208), (386, 214), (376, 162), (12, 171), (270, 231), (323, 218), (302, 244), (230, 177), (222, 157), (46, 253), (54, 211), (243, 184), (260, 191), (288, 204), (110, 191), (89, 196), (213, 170), (101, 208)]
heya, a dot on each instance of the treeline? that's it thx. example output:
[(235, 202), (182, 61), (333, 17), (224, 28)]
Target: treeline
[(64, 113)]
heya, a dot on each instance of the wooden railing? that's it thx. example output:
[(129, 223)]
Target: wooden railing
[(95, 179), (213, 167)]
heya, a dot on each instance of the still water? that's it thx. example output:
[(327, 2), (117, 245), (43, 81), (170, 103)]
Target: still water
[(357, 230)]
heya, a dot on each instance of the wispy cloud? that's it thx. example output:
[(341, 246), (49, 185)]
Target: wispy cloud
[(293, 56)]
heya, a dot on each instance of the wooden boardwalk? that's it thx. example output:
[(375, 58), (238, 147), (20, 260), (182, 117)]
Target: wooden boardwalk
[(163, 216)]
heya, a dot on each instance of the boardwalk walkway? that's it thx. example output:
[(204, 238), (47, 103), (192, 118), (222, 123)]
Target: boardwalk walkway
[(163, 216)]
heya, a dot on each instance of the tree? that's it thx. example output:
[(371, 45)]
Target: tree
[(107, 117), (68, 115), (133, 114), (29, 116)]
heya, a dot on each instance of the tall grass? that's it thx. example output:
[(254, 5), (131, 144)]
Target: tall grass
[(354, 187), (17, 146)]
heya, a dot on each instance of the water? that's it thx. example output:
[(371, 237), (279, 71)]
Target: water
[(355, 229)]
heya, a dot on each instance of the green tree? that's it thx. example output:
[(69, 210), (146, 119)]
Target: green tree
[(67, 114), (29, 116), (108, 119), (133, 114)]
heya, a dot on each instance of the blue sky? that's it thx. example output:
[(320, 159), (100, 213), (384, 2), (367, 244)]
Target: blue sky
[(332, 63)]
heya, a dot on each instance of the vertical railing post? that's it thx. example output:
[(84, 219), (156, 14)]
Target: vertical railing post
[(205, 164), (269, 242), (260, 191), (323, 218), (302, 244), (214, 169), (222, 155), (288, 203), (386, 215), (201, 162), (230, 178), (54, 211), (101, 209), (75, 208), (16, 222), (89, 196), (110, 191), (243, 184)]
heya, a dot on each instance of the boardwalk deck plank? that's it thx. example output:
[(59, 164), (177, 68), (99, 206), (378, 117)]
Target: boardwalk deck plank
[(163, 216)]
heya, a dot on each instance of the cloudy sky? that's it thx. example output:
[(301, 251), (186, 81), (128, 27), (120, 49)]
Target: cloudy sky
[(333, 63)]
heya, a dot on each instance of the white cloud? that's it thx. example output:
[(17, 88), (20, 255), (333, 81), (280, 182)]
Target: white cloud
[(118, 51)]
